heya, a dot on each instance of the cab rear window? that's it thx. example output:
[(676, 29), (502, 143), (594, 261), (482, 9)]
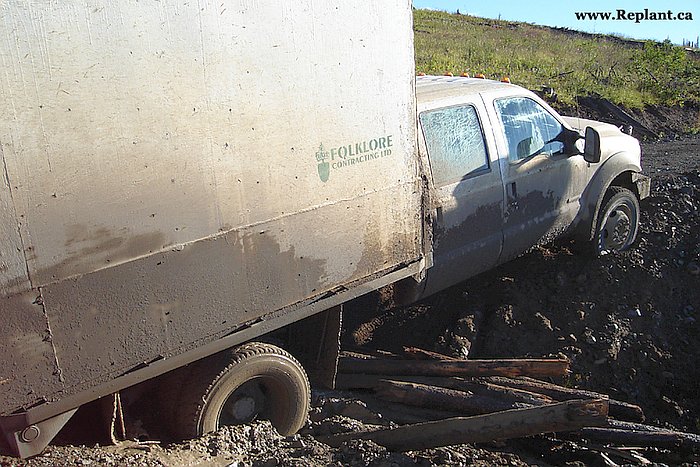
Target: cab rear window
[(455, 143)]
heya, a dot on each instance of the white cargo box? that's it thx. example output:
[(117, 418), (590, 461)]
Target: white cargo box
[(175, 171)]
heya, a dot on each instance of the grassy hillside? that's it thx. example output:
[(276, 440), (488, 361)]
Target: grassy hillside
[(630, 73)]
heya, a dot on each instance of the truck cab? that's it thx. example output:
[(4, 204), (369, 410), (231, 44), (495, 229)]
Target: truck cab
[(506, 172)]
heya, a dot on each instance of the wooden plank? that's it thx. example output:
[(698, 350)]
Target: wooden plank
[(517, 367), (434, 397), (618, 409), (518, 423), (631, 426), (422, 354), (660, 439), (360, 381)]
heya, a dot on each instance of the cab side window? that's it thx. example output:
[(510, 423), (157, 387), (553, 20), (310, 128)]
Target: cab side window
[(529, 129), (455, 143)]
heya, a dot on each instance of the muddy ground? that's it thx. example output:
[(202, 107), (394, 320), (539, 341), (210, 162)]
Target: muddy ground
[(628, 322)]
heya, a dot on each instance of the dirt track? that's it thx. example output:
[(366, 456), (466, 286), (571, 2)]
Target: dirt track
[(627, 321)]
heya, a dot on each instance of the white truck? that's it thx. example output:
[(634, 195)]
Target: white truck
[(182, 179)]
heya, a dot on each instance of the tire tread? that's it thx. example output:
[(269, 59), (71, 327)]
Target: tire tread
[(609, 195), (206, 373)]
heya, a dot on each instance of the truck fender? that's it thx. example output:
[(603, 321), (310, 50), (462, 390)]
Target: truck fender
[(619, 169)]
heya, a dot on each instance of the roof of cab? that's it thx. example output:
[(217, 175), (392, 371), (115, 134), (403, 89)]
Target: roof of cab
[(430, 88)]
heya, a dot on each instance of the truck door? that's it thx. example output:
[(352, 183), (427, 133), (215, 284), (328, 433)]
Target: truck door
[(468, 194), (541, 182)]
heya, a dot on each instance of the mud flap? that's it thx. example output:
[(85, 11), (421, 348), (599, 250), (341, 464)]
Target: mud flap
[(25, 439), (643, 184), (315, 342)]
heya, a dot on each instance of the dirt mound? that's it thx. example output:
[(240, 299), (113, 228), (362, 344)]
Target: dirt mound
[(651, 123)]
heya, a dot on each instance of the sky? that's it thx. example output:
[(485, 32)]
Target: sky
[(562, 13)]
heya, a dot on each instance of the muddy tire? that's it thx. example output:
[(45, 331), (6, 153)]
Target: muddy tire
[(618, 222), (252, 382)]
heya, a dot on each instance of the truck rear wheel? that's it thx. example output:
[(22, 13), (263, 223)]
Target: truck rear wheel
[(618, 221), (252, 382)]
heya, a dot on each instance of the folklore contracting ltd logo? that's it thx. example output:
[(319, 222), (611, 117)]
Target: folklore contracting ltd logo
[(350, 155)]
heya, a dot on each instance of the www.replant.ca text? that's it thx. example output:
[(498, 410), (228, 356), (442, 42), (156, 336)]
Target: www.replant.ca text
[(636, 16)]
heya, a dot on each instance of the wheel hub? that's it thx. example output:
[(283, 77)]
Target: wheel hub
[(243, 408), (617, 230), (245, 404)]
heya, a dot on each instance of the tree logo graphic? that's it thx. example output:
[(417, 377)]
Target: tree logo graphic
[(324, 168)]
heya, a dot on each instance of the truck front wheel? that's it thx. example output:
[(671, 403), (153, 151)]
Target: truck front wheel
[(618, 221), (252, 382)]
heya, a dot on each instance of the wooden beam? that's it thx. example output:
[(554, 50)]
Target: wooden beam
[(660, 439), (518, 423), (517, 367), (618, 409), (434, 397), (477, 386), (421, 354)]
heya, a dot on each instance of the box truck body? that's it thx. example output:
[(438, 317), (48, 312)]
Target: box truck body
[(176, 173)]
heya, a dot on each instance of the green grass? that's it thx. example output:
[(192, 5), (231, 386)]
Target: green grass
[(629, 73)]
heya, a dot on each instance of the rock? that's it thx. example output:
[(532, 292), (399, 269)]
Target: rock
[(459, 346), (295, 442), (466, 327), (505, 312), (544, 321)]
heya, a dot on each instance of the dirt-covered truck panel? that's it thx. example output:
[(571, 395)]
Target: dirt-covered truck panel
[(174, 171), (508, 173)]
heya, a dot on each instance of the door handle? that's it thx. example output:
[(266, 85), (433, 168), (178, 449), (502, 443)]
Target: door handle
[(512, 191)]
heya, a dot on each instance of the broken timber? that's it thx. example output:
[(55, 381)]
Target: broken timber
[(476, 386), (522, 390), (637, 434), (618, 409), (421, 354), (434, 397), (517, 423), (518, 367), (657, 438)]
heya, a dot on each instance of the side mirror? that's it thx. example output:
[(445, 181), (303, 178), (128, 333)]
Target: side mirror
[(568, 138), (591, 149)]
